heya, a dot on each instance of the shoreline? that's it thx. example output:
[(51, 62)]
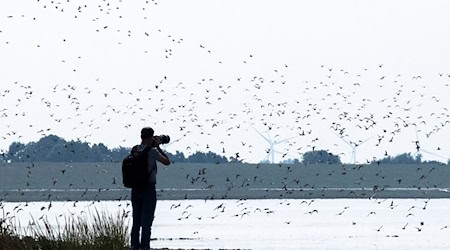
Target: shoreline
[(30, 195), (243, 224)]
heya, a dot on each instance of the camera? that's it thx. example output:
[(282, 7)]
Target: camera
[(164, 139)]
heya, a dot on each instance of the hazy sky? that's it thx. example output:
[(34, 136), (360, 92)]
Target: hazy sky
[(206, 72)]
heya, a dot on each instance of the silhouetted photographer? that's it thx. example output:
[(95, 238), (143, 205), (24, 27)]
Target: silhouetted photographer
[(143, 190)]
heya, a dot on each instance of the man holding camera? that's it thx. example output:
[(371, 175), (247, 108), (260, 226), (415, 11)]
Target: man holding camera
[(144, 200)]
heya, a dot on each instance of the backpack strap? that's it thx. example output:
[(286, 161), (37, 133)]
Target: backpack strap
[(145, 151)]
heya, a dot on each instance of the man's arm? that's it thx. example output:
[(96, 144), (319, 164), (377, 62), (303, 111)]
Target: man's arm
[(164, 159)]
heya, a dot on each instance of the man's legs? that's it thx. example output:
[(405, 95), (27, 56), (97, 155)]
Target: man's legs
[(136, 202), (147, 215)]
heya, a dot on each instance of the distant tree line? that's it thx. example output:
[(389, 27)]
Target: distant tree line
[(405, 158), (52, 148)]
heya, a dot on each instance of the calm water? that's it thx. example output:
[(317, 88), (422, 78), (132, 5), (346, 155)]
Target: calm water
[(276, 223)]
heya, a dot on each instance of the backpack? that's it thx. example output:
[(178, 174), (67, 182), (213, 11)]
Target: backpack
[(135, 172)]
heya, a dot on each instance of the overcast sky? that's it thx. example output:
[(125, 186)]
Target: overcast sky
[(213, 73)]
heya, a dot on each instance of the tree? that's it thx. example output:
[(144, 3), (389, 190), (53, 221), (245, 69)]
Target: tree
[(405, 158), (209, 157), (320, 157), (15, 150), (52, 148), (177, 157)]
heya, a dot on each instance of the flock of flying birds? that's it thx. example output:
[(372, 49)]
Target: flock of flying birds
[(216, 114), (351, 104)]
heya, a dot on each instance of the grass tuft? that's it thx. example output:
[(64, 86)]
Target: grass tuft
[(93, 230)]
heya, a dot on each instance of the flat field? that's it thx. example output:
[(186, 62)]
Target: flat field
[(103, 181)]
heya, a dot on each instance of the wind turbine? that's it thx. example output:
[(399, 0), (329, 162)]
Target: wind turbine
[(354, 145), (420, 150), (272, 151)]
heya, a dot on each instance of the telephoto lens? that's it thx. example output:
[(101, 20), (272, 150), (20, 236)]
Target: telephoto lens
[(164, 139)]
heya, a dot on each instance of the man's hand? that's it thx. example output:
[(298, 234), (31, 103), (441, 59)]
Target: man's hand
[(157, 141)]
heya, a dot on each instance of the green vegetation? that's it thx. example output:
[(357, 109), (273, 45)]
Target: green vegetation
[(97, 230), (55, 149), (320, 157)]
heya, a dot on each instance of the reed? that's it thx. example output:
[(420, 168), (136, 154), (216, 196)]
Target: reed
[(91, 230)]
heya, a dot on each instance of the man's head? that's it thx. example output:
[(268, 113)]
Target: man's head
[(147, 133)]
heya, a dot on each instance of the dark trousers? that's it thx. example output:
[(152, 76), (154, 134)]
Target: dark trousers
[(144, 204)]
